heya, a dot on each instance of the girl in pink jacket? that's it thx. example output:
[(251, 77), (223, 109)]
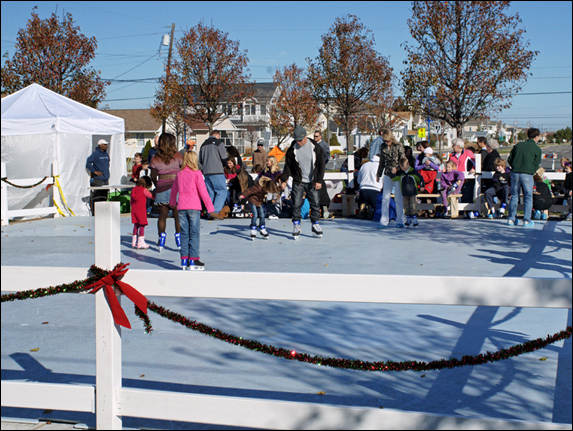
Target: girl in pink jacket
[(187, 192)]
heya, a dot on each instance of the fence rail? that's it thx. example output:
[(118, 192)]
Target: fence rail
[(111, 401)]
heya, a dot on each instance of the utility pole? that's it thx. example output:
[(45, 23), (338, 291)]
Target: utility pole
[(168, 72)]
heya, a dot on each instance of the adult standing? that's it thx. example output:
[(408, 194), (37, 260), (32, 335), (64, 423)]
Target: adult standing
[(304, 162), (164, 166), (213, 158), (524, 158), (323, 192), (259, 156), (98, 164), (391, 152)]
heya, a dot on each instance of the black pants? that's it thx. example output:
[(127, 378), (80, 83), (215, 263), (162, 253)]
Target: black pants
[(97, 195)]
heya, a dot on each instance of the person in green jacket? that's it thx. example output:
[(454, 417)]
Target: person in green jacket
[(525, 158)]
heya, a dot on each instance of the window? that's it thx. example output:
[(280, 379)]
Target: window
[(263, 110)]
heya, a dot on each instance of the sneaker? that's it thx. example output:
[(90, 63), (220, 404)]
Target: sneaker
[(536, 215), (400, 225), (273, 217), (316, 230), (510, 223), (382, 226), (264, 233), (196, 265), (415, 221), (408, 221), (528, 224), (295, 229), (543, 216), (490, 216), (253, 233)]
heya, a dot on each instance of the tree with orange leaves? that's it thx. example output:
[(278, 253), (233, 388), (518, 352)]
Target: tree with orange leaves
[(210, 72), (469, 61), (349, 72), (295, 105), (56, 55)]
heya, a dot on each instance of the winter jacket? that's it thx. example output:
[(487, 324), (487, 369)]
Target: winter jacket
[(255, 195), (465, 161), (212, 156), (366, 177), (525, 157), (400, 175), (292, 167), (190, 186), (99, 161), (501, 180), (390, 156)]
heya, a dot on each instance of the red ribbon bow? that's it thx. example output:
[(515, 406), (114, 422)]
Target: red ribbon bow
[(108, 281)]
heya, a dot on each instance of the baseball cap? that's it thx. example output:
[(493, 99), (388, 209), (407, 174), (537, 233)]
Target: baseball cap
[(299, 133), (102, 142)]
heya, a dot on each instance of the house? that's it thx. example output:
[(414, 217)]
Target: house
[(140, 127)]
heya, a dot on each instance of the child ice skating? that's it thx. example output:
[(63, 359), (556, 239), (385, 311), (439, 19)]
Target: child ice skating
[(187, 192), (138, 201), (256, 195)]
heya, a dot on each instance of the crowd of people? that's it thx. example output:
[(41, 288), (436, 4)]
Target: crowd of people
[(214, 183)]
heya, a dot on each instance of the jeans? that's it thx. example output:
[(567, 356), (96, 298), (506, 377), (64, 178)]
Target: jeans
[(190, 221), (217, 189), (525, 183), (257, 212), (502, 195), (297, 195), (386, 196)]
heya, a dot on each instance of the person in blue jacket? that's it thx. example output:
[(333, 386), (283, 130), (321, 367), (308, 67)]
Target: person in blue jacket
[(98, 165)]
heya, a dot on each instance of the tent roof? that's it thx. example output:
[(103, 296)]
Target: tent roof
[(37, 110)]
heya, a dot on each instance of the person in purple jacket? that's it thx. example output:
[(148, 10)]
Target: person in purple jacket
[(451, 182)]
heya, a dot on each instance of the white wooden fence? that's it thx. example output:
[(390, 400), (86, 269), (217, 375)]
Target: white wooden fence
[(110, 401), (7, 214)]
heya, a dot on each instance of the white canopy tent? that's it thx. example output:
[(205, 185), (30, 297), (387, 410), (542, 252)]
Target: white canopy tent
[(41, 128)]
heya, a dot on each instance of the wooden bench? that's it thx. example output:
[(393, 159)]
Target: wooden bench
[(454, 201)]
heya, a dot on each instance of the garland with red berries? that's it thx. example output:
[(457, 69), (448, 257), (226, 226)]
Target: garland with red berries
[(353, 364)]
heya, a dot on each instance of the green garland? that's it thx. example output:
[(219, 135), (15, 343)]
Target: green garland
[(353, 364), (5, 179)]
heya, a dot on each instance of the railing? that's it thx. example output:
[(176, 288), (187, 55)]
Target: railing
[(111, 401), (8, 214)]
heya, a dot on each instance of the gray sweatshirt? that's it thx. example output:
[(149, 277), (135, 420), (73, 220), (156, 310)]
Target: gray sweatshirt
[(213, 156)]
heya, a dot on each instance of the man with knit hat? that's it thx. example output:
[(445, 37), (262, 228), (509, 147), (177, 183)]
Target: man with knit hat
[(304, 162)]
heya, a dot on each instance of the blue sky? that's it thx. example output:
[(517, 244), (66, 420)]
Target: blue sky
[(277, 34)]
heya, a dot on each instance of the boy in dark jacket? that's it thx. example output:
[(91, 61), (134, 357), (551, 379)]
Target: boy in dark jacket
[(501, 188)]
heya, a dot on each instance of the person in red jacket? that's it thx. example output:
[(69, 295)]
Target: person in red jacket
[(138, 202)]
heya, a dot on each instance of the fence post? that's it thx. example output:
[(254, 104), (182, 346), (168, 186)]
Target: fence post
[(108, 334), (4, 197)]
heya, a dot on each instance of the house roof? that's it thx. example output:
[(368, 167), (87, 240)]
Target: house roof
[(137, 120)]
